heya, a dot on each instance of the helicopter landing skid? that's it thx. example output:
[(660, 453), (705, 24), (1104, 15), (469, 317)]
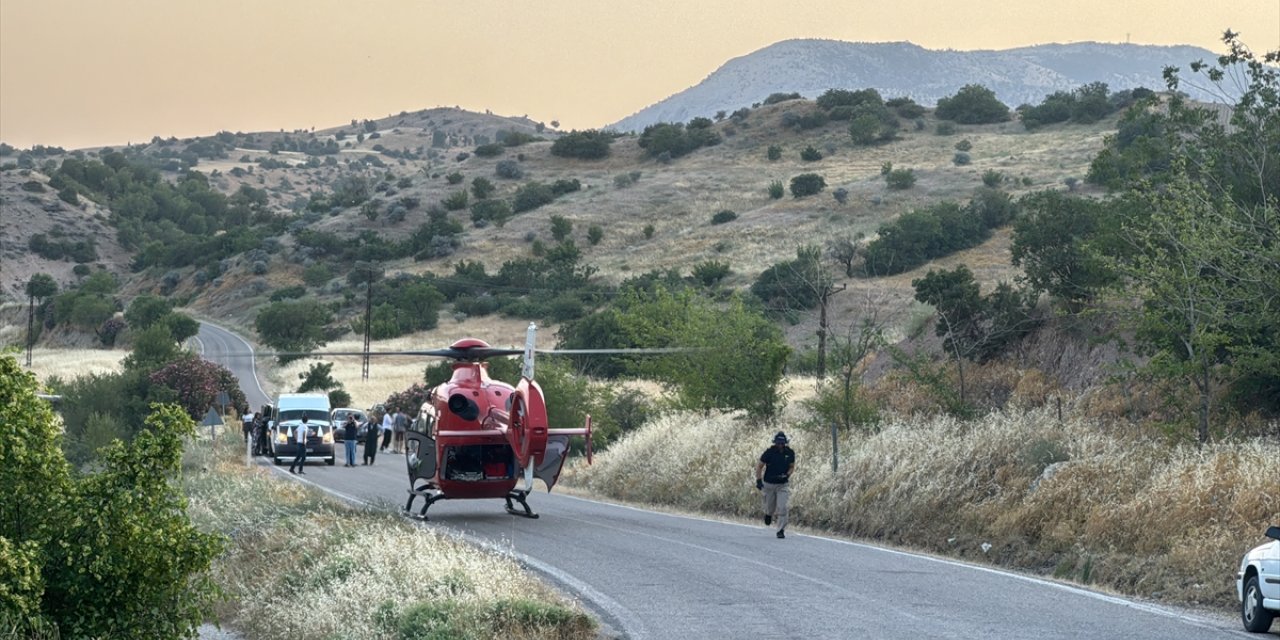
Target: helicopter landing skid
[(522, 498), (428, 498)]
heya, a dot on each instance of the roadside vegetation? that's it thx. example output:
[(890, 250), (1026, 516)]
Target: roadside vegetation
[(300, 564), (1074, 499)]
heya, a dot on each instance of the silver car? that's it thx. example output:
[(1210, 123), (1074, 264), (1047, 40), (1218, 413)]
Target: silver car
[(1258, 584)]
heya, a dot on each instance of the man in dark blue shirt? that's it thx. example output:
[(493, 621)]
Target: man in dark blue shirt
[(773, 472)]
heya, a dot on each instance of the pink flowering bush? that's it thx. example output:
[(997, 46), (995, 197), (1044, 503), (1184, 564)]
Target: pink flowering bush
[(197, 383), (409, 400)]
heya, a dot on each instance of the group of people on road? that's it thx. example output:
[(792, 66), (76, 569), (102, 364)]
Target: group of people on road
[(390, 429), (254, 426)]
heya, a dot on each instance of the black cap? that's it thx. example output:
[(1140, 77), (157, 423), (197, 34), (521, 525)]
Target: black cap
[(780, 438)]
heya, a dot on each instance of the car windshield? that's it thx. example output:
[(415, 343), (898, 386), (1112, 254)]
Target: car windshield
[(341, 416), (293, 415)]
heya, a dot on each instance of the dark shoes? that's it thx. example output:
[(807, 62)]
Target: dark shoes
[(291, 470), (768, 519), (781, 534)]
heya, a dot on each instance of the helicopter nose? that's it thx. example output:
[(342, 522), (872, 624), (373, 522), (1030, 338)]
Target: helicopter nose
[(463, 407)]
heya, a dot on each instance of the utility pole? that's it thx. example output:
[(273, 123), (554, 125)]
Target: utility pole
[(368, 317), (372, 273), (824, 296)]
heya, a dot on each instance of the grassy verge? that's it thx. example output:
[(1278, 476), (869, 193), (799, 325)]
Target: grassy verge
[(1072, 500), (301, 565)]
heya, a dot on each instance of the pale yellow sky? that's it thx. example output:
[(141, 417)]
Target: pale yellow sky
[(78, 73)]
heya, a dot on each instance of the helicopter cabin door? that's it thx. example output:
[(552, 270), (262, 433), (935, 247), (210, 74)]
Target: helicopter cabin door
[(552, 460), (420, 454)]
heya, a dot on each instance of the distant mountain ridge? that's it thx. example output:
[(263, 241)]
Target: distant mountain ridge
[(810, 67)]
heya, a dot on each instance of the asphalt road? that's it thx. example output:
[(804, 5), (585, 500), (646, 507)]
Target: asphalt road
[(656, 575)]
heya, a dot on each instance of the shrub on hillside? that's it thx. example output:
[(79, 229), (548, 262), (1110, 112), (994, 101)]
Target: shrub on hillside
[(508, 169), (724, 216), (807, 184), (972, 104), (774, 152), (809, 154), (675, 140), (775, 98), (584, 145), (490, 150), (486, 211), (900, 179), (530, 196), (776, 190)]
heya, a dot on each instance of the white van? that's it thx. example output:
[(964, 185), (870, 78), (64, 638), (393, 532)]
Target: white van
[(288, 412)]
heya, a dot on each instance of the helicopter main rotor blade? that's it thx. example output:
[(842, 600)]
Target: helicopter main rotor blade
[(636, 351), (474, 353)]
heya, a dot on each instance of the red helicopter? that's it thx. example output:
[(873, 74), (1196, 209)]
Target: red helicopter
[(476, 437)]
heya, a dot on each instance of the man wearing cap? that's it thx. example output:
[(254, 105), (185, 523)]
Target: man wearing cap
[(773, 472)]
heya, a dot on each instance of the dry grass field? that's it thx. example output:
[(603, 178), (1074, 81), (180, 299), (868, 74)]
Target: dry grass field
[(1075, 500), (69, 364)]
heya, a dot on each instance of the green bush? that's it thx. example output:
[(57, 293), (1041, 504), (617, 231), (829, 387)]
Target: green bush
[(711, 272), (675, 140), (809, 154), (456, 201), (495, 211), (137, 567), (481, 188), (317, 275), (584, 145), (961, 159), (776, 190), (900, 179), (532, 195), (945, 128), (992, 178), (454, 178), (972, 104), (723, 216), (964, 145), (807, 184), (490, 150), (774, 152), (595, 234), (775, 98)]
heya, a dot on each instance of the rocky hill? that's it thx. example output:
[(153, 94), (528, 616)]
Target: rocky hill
[(650, 214), (1017, 76)]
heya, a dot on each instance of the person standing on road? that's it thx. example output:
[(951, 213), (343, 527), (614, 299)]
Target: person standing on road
[(773, 473), (388, 425), (261, 447), (370, 441), (349, 431), (401, 423), (300, 435)]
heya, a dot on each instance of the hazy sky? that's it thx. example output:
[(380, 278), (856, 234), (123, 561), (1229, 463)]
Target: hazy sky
[(78, 73)]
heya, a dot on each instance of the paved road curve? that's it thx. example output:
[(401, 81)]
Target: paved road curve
[(653, 575)]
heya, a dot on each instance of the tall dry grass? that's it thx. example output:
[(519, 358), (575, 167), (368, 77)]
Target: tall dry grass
[(1071, 499), (69, 364), (301, 565)]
